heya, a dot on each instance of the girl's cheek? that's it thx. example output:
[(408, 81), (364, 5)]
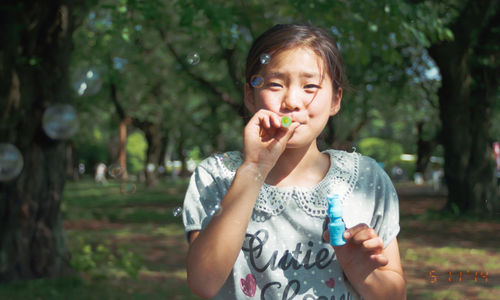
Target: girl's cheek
[(270, 101)]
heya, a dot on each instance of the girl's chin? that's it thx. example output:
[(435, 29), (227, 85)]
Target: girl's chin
[(294, 143)]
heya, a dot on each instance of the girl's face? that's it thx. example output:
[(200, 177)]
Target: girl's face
[(297, 85)]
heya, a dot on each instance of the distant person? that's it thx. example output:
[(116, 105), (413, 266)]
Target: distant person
[(256, 221), (100, 173), (496, 153), (437, 178)]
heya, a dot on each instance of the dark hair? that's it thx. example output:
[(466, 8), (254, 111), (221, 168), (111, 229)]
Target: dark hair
[(282, 37)]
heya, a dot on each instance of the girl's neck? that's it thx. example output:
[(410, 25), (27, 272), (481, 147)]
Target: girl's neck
[(303, 167)]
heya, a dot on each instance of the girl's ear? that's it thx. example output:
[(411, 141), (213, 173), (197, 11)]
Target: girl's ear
[(248, 99), (337, 99)]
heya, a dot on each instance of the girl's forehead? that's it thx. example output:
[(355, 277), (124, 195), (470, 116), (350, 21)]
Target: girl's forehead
[(301, 59)]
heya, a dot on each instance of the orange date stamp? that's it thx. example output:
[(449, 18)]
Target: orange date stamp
[(458, 276)]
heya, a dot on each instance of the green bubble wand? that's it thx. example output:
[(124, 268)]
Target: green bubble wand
[(286, 121)]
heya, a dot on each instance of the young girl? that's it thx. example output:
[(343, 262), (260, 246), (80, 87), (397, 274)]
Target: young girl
[(256, 220)]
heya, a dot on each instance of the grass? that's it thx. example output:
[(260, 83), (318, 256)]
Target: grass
[(126, 243)]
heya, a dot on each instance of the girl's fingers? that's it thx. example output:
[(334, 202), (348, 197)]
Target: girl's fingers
[(380, 260), (326, 236), (375, 245), (360, 233), (275, 121), (285, 133)]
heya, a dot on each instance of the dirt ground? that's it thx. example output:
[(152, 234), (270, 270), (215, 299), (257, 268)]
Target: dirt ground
[(446, 259)]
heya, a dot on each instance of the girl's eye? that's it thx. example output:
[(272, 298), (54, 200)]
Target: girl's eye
[(275, 85), (312, 86)]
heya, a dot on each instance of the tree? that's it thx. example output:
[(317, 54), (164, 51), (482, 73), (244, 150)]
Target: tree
[(470, 73), (35, 49)]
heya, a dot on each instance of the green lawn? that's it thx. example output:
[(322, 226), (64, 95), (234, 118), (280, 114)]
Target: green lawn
[(126, 243)]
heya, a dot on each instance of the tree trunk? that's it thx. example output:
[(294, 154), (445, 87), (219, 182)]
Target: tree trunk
[(179, 149), (154, 139), (465, 100), (122, 152), (424, 149), (35, 48)]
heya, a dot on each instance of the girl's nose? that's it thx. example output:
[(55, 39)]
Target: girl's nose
[(291, 101)]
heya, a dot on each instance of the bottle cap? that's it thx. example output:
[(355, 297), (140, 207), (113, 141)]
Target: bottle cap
[(334, 206)]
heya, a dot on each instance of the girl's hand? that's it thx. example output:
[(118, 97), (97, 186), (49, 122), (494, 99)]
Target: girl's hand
[(265, 139), (361, 254)]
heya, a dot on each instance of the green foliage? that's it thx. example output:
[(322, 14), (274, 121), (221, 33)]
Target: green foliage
[(89, 200), (384, 151), (136, 152), (101, 261)]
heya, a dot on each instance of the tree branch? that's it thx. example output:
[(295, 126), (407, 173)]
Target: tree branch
[(207, 85)]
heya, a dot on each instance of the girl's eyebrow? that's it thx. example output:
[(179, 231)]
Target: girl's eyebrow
[(277, 75), (301, 74)]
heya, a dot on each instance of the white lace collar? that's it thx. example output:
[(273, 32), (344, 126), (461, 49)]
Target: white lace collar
[(340, 179)]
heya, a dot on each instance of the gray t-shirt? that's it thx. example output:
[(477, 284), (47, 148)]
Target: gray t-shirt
[(283, 255)]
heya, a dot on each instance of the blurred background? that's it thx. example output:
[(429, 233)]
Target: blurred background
[(107, 106)]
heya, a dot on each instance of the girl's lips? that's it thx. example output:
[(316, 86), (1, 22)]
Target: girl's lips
[(295, 118), (298, 117)]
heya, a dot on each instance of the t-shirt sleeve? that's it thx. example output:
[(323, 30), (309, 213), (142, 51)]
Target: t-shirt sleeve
[(202, 197), (385, 219)]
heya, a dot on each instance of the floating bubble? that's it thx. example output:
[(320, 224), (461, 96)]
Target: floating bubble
[(265, 58), (128, 188), (11, 162), (193, 58), (119, 63), (115, 171), (257, 81), (87, 82), (216, 210), (60, 121), (258, 177), (177, 211), (150, 168)]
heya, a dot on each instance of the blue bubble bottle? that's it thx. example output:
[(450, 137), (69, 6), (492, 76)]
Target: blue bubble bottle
[(336, 227)]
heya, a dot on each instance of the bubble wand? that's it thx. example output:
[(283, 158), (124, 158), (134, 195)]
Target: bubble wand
[(286, 121), (336, 227)]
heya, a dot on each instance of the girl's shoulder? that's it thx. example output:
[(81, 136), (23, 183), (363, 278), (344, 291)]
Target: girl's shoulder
[(222, 163), (344, 157), (354, 162)]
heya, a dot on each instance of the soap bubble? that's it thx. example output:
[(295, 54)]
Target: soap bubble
[(177, 211), (193, 58), (87, 82), (11, 162), (265, 58), (128, 188), (257, 81), (216, 210), (150, 168), (115, 171), (60, 121)]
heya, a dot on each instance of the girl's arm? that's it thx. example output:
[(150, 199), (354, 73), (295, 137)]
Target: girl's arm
[(213, 251), (374, 271), (386, 282)]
